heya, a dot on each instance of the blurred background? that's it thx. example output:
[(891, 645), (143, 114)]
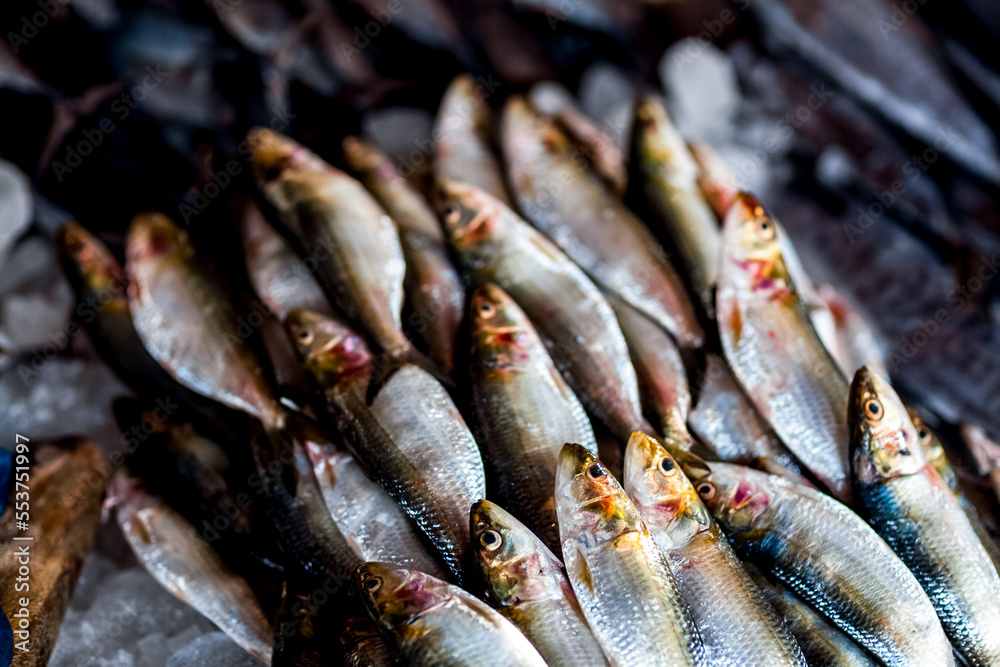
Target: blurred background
[(868, 127)]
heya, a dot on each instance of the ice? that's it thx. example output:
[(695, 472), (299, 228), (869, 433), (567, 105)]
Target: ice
[(15, 206), (213, 650), (701, 83), (403, 134), (95, 571), (606, 95), (35, 299)]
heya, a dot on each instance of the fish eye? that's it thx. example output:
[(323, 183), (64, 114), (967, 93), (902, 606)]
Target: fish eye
[(706, 490), (372, 584), (487, 309), (923, 434), (667, 465), (766, 229), (595, 472), (305, 336), (491, 540), (873, 409), (451, 214)]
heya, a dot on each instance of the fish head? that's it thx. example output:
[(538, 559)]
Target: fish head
[(752, 249), (666, 499), (362, 156), (502, 333), (658, 143), (92, 262), (884, 442), (473, 220), (396, 596), (516, 565), (329, 349), (153, 236), (933, 450), (592, 506), (462, 105), (736, 496), (530, 134), (273, 155)]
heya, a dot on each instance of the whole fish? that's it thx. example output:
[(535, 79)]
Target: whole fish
[(376, 527), (911, 506), (604, 155), (434, 624), (187, 322), (344, 230), (363, 646), (38, 575), (573, 318), (822, 644), (463, 135), (278, 275), (410, 437), (715, 181), (724, 420), (525, 410), (573, 208), (737, 625), (773, 349), (831, 558), (527, 584), (664, 181), (432, 284), (620, 577), (660, 370), (186, 565)]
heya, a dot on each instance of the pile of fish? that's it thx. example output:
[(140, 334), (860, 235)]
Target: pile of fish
[(560, 405)]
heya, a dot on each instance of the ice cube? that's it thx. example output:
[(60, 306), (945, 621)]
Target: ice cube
[(212, 650)]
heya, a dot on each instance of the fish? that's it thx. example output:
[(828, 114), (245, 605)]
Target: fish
[(725, 421), (737, 625), (619, 575), (409, 437), (660, 370), (363, 646), (172, 551), (524, 410), (186, 321), (604, 155), (462, 132), (375, 526), (578, 326), (664, 183), (830, 558), (433, 623), (822, 644), (527, 584), (715, 180), (341, 227), (857, 344), (908, 503), (592, 226), (773, 349), (65, 496), (432, 284)]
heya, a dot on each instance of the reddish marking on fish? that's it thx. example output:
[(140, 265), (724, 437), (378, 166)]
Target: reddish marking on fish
[(744, 492)]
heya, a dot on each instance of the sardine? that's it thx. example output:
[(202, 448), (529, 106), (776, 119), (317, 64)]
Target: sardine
[(525, 410), (64, 496), (375, 526), (831, 558), (527, 584), (664, 182), (462, 132), (187, 322), (604, 155), (342, 228), (620, 577), (660, 370), (186, 565), (434, 624), (715, 181), (573, 208), (725, 421), (737, 625), (578, 326), (822, 644), (911, 506), (432, 284), (773, 349), (410, 437)]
